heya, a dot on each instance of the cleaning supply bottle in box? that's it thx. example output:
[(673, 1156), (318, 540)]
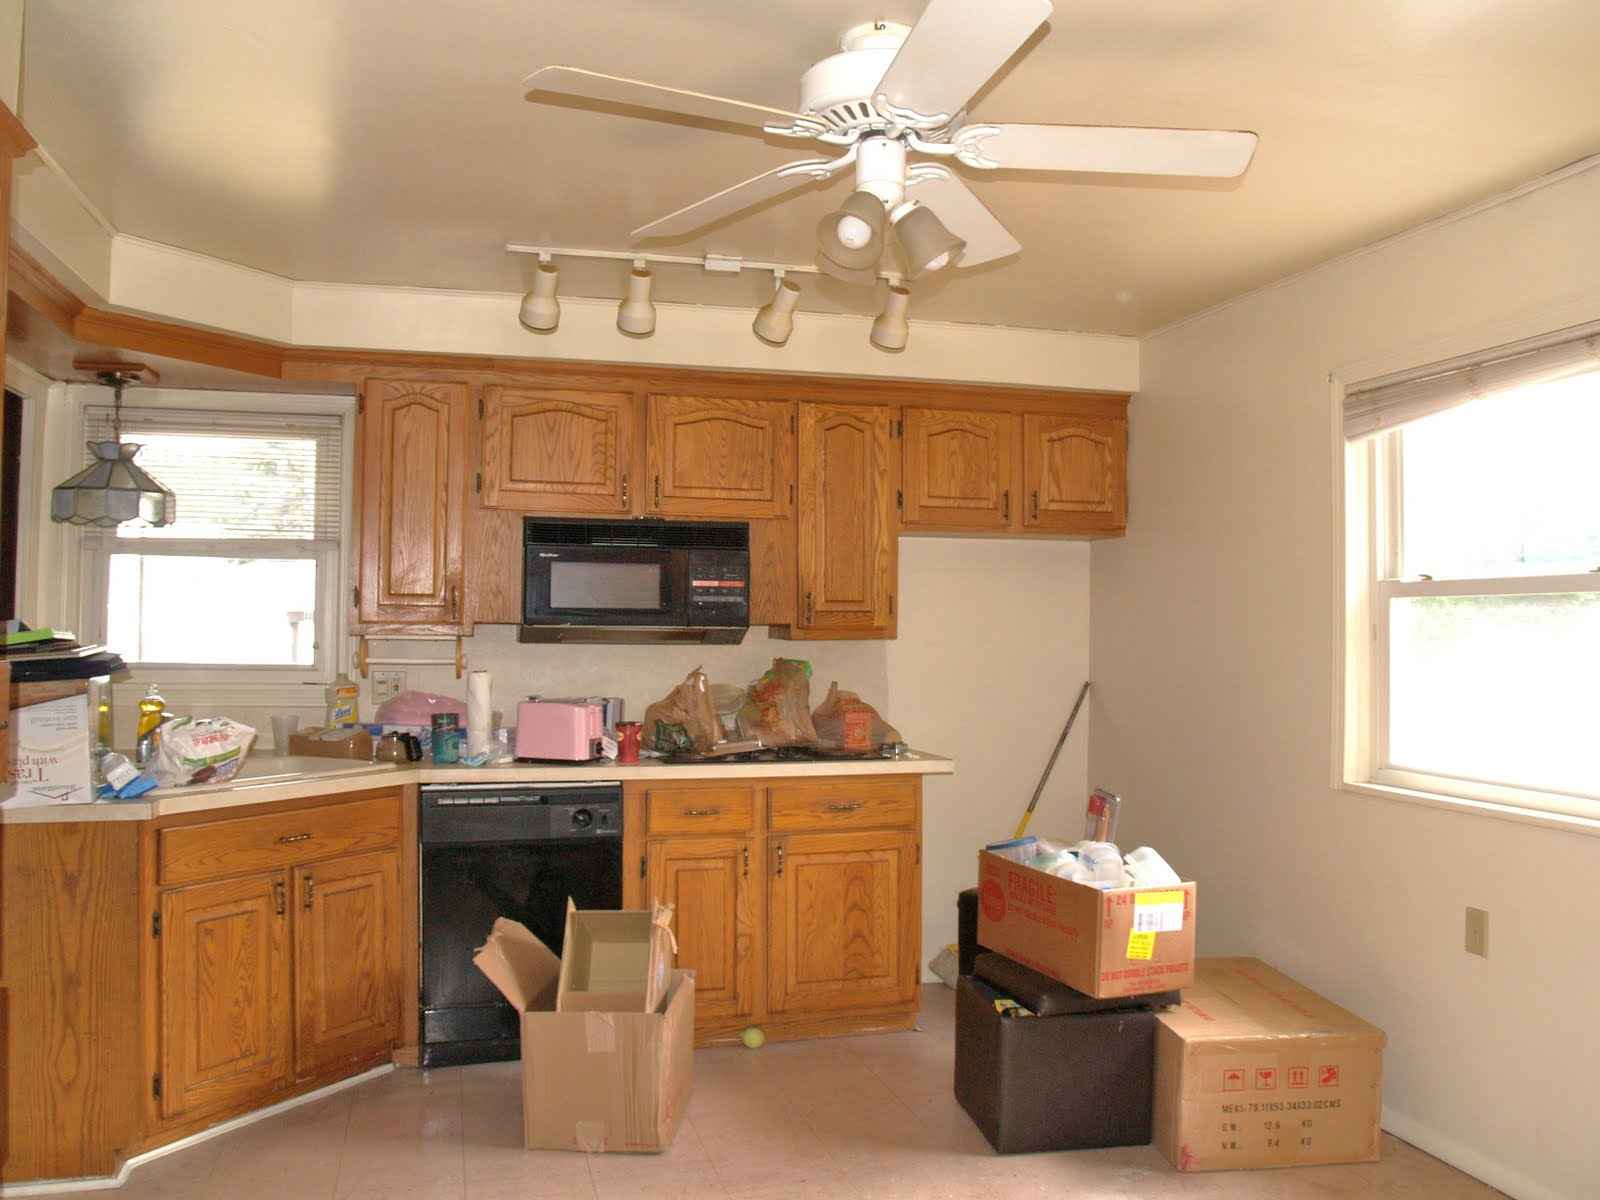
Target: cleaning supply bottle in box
[(342, 694)]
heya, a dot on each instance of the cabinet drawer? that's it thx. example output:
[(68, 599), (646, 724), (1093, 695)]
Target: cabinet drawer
[(190, 853), (844, 804), (700, 810)]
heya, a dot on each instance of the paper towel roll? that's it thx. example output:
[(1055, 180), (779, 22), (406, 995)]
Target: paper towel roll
[(480, 718)]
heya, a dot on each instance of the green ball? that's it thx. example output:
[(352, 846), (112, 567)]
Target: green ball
[(753, 1038)]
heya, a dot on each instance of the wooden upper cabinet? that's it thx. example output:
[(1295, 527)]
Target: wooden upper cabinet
[(413, 503), (225, 1029), (958, 470), (846, 921), (710, 457), (346, 959), (558, 451), (846, 553), (1075, 471), (707, 880)]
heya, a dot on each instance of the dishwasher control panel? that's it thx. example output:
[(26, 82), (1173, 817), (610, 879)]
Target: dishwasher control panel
[(486, 812)]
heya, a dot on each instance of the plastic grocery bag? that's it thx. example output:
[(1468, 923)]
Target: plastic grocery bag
[(844, 721), (200, 750), (683, 720), (777, 707)]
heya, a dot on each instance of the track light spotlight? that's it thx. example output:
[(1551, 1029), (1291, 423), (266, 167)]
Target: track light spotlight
[(928, 245), (891, 330), (636, 315), (853, 236), (541, 311), (775, 322)]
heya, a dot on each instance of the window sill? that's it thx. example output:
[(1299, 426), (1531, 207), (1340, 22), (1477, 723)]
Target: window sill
[(1565, 822)]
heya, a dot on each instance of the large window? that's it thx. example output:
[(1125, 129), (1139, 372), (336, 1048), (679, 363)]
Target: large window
[(1474, 639), (244, 579)]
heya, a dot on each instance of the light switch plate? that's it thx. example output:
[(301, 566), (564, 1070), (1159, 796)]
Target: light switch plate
[(1477, 940), (386, 685)]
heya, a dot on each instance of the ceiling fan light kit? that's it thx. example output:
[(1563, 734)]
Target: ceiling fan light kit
[(893, 92), (636, 315), (775, 321), (891, 331), (541, 311)]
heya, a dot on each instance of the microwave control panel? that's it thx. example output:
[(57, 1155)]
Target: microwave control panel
[(718, 586)]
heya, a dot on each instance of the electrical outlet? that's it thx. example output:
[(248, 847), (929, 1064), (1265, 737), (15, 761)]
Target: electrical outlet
[(1477, 941), (386, 685)]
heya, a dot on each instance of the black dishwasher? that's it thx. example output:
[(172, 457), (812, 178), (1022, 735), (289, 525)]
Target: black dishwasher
[(503, 850)]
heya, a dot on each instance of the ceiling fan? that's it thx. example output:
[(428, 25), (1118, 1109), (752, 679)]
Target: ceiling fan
[(894, 98)]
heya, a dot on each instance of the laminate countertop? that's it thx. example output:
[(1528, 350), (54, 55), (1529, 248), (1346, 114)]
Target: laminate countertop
[(265, 778)]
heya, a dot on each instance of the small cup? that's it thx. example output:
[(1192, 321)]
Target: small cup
[(628, 741), (284, 728)]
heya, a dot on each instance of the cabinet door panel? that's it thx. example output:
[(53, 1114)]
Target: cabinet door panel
[(412, 481), (845, 925), (958, 469), (846, 543), (707, 881), (1077, 473), (346, 959), (714, 457), (557, 451), (224, 993)]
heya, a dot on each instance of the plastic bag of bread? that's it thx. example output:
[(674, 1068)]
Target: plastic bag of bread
[(777, 707), (844, 721), (200, 750), (684, 719)]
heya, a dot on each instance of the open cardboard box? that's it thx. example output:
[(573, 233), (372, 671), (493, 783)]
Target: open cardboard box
[(1118, 942), (607, 1031)]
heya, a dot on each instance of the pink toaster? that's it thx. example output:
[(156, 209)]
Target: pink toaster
[(562, 730)]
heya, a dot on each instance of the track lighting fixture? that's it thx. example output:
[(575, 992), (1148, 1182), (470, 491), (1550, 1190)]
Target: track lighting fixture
[(636, 315), (775, 322), (928, 245), (891, 330), (541, 311), (852, 237)]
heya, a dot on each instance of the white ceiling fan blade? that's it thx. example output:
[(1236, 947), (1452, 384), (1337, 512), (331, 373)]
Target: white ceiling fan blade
[(741, 195), (590, 85), (1118, 149), (953, 50), (963, 214)]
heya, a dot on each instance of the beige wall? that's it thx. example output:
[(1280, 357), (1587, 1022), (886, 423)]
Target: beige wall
[(993, 646), (1213, 649)]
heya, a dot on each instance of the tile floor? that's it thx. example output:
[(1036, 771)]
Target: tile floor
[(869, 1117)]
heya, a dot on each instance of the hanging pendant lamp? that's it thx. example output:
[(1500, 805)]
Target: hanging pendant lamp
[(113, 488)]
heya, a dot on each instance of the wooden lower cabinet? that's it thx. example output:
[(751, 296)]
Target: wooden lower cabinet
[(802, 913), (225, 1019)]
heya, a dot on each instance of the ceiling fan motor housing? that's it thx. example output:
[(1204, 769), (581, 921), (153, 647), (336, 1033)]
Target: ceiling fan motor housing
[(838, 90)]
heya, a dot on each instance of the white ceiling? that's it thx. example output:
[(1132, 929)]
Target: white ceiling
[(388, 142)]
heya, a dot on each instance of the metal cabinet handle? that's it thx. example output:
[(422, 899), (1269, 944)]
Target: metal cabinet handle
[(780, 860), (280, 899), (658, 491), (311, 893), (624, 491), (747, 862), (808, 608), (701, 812), (287, 838), (845, 806), (1036, 504), (1005, 505), (455, 603)]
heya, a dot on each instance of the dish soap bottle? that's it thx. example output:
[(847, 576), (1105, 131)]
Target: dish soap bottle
[(152, 711)]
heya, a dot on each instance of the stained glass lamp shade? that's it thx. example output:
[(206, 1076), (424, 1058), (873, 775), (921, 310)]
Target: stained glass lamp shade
[(112, 489)]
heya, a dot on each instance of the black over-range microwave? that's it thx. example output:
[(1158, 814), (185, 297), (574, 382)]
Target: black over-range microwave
[(634, 581)]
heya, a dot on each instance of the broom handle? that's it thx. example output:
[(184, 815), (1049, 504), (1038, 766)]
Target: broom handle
[(1022, 825)]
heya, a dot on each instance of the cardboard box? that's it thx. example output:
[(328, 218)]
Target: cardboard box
[(615, 960), (1121, 942), (49, 761), (593, 1081), (1254, 1070)]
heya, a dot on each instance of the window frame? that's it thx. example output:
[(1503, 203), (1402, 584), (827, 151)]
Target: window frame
[(1373, 533), (91, 549)]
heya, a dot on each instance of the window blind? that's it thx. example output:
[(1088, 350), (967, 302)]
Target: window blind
[(236, 475), (1398, 400)]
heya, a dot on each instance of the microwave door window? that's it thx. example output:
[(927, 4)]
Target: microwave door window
[(606, 587)]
